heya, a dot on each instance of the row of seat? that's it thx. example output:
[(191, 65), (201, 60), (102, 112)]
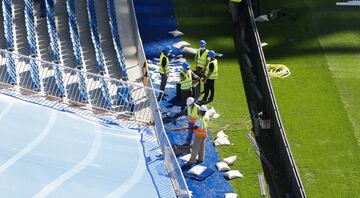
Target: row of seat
[(74, 32), (31, 37), (8, 31), (116, 38), (99, 54), (75, 40), (95, 35), (123, 92), (54, 46)]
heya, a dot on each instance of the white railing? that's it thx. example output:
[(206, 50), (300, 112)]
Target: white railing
[(172, 165), (74, 86)]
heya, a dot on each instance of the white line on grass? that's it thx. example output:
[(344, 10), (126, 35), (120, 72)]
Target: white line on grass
[(134, 179), (77, 168), (31, 145)]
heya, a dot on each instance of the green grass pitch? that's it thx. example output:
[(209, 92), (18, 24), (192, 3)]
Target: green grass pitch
[(319, 103)]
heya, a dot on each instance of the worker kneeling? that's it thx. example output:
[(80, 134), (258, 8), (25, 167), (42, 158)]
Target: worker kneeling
[(200, 133), (193, 115)]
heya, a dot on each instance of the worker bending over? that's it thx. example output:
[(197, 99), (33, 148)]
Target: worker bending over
[(201, 58), (164, 69), (193, 115), (200, 132), (211, 74), (186, 78)]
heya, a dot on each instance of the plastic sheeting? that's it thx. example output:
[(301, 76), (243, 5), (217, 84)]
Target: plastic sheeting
[(156, 18), (59, 152)]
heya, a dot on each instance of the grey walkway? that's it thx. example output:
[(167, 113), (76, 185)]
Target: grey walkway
[(128, 40), (21, 43), (87, 46), (66, 50), (107, 45)]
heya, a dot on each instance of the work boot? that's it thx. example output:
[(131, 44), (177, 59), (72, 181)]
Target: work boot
[(186, 166), (199, 161)]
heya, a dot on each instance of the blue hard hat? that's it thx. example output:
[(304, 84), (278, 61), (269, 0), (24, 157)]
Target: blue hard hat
[(202, 43), (186, 65), (167, 49), (211, 53)]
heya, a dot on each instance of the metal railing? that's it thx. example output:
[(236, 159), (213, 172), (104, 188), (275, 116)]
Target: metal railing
[(127, 99), (171, 162)]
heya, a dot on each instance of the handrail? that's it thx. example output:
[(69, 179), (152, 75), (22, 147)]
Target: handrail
[(128, 99)]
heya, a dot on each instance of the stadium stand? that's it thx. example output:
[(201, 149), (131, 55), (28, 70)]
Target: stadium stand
[(9, 36), (45, 71), (116, 38)]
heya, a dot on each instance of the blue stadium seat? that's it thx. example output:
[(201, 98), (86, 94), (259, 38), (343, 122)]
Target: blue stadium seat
[(116, 38), (75, 39), (31, 37), (106, 102), (55, 51)]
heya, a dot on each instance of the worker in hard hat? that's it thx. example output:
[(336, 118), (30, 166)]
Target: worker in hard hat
[(193, 115), (201, 58), (200, 135), (164, 68), (211, 74), (186, 78)]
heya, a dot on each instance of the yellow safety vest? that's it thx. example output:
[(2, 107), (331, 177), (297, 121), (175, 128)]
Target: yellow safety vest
[(167, 67), (201, 58), (214, 74), (236, 1), (193, 113), (201, 131), (187, 82)]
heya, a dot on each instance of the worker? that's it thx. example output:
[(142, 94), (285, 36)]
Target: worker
[(164, 69), (201, 58), (200, 133), (186, 78), (211, 74), (192, 113), (146, 73)]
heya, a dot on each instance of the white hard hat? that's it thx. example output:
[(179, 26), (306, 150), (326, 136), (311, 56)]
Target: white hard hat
[(190, 101), (203, 108)]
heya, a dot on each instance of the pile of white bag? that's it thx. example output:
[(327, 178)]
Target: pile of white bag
[(225, 166), (221, 139)]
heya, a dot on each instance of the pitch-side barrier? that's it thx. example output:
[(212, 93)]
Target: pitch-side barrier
[(172, 165)]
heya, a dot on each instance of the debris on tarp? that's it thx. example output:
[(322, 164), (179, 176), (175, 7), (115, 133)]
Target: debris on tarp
[(176, 33)]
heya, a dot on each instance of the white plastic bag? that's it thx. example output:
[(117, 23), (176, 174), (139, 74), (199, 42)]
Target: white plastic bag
[(222, 166), (221, 141), (231, 195), (212, 113), (176, 33), (181, 44), (189, 50), (230, 160), (262, 18), (197, 170), (233, 174), (221, 134)]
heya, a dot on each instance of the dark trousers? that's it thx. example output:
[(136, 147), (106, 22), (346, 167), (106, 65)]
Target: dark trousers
[(190, 134), (162, 84), (184, 96), (209, 86)]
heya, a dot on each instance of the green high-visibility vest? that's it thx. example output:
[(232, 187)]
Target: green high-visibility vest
[(201, 58), (186, 83), (236, 1), (167, 67), (214, 74), (193, 113)]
